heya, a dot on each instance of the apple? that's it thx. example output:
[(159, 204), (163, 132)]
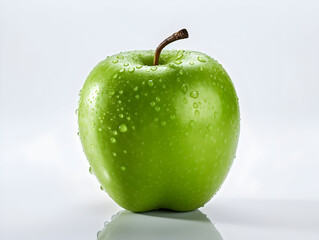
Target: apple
[(159, 129)]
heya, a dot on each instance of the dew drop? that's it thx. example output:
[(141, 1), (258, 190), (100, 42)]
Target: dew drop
[(121, 92), (196, 113), (163, 123), (201, 59), (181, 72), (101, 187), (128, 118), (138, 66), (152, 103), (76, 111), (137, 96), (131, 69), (123, 168), (172, 116), (195, 105), (153, 68), (150, 83), (191, 63), (157, 99), (114, 132), (78, 133), (100, 129), (122, 70), (135, 88), (124, 151), (112, 140), (201, 68), (121, 115), (115, 76), (120, 57), (115, 61), (125, 64), (123, 128), (114, 154), (90, 170), (178, 62), (194, 94), (192, 123), (184, 88), (185, 101), (157, 109)]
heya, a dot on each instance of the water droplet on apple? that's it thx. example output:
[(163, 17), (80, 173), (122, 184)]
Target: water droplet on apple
[(115, 61), (152, 103), (128, 118), (153, 68), (121, 92), (121, 115), (112, 93), (120, 57), (125, 64), (191, 63), (196, 113), (115, 76), (185, 101), (137, 96), (172, 116), (201, 68), (181, 72), (192, 123), (184, 88), (114, 132), (201, 59), (147, 70), (131, 69), (123, 168), (157, 99), (157, 109), (76, 111), (155, 119), (163, 123), (122, 70), (123, 128), (90, 170), (78, 133), (194, 94), (112, 140), (195, 105), (138, 66), (101, 187), (114, 154), (124, 151), (179, 55), (150, 83), (135, 88), (178, 62), (100, 129)]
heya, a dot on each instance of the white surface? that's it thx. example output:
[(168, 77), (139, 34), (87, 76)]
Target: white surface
[(47, 48)]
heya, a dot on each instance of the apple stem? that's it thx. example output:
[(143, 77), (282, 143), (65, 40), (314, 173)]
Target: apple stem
[(181, 34)]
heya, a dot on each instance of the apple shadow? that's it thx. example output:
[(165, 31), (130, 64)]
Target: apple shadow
[(159, 225)]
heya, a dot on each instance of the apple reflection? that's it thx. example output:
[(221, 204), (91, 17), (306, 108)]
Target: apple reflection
[(159, 225)]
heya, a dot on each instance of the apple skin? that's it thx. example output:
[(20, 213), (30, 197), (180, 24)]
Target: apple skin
[(160, 136)]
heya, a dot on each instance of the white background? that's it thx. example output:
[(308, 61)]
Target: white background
[(47, 48)]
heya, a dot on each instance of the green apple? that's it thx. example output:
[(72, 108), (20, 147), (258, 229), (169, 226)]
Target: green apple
[(161, 136)]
